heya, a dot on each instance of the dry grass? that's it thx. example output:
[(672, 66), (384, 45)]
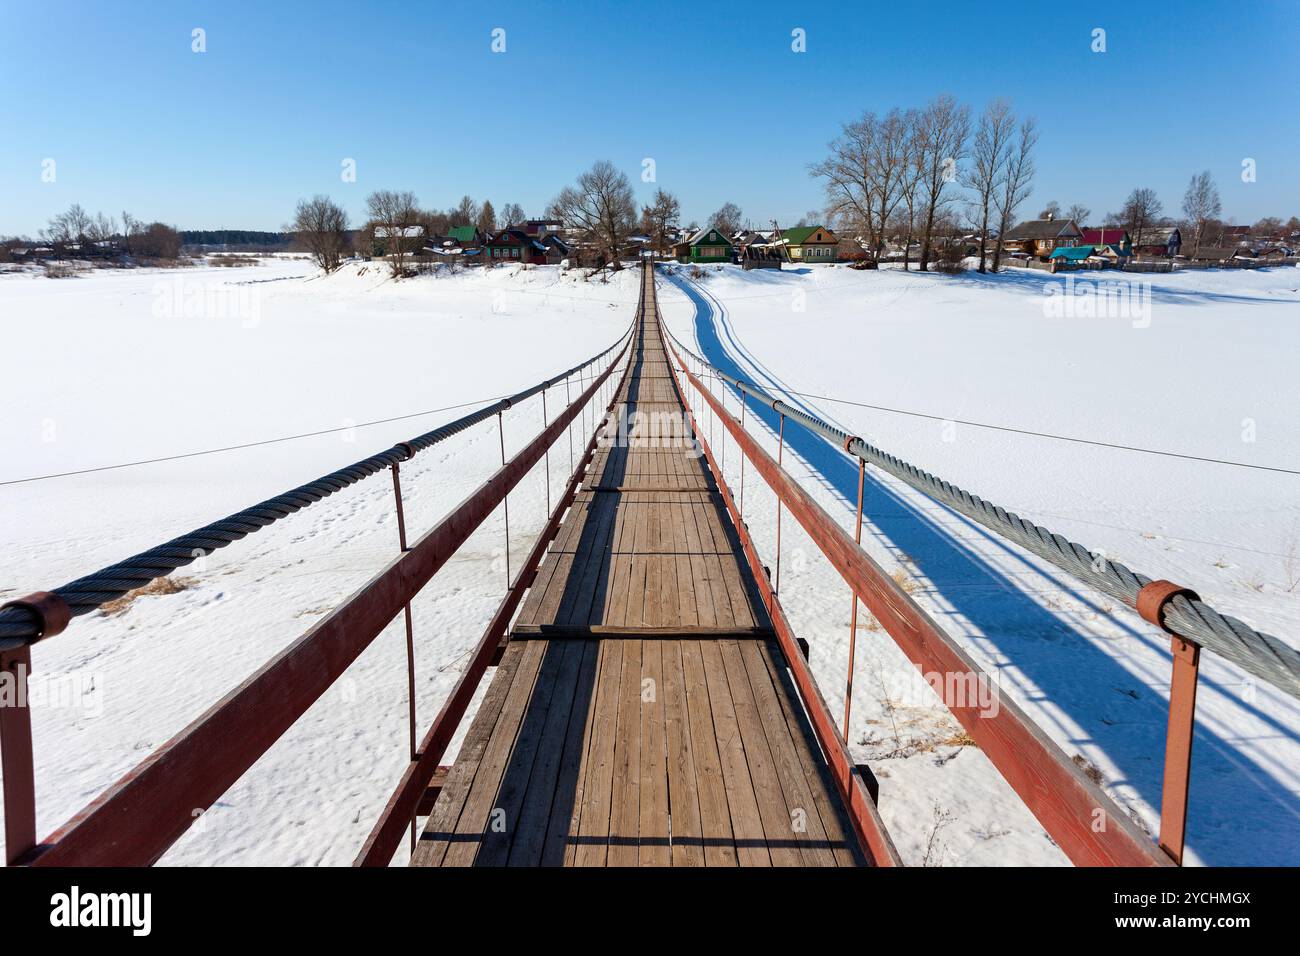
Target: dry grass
[(167, 585), (1089, 769), (960, 739), (905, 581)]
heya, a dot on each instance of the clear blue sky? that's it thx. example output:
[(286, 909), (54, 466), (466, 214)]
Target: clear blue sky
[(231, 138)]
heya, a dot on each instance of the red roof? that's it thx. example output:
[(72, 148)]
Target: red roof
[(1102, 237)]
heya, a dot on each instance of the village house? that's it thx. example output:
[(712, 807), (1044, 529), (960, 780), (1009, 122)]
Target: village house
[(1108, 236), (468, 237), (540, 228), (1042, 237), (1163, 241), (515, 245), (811, 244), (707, 245), (557, 250), (412, 239)]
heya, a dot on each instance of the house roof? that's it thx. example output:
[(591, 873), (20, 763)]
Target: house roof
[(695, 239), (406, 232), (1073, 253), (463, 233), (1157, 235), (1043, 229), (799, 234), (1216, 253), (1105, 235)]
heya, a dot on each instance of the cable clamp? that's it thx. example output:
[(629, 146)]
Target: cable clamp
[(52, 612)]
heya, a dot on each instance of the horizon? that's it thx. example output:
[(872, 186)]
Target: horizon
[(281, 98)]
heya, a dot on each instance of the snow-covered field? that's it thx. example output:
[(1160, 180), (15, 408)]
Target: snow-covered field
[(121, 366), (1200, 363), (114, 367)]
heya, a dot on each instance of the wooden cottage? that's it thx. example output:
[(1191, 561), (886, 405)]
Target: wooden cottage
[(1042, 237), (811, 244), (1160, 241), (515, 245), (707, 245)]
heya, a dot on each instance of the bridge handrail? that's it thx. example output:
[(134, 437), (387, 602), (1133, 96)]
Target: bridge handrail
[(1260, 654), (47, 613)]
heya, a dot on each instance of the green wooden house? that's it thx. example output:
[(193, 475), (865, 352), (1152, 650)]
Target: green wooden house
[(707, 245), (811, 244)]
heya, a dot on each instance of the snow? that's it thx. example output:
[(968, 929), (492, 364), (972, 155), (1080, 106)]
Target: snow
[(112, 366), (121, 366), (1200, 363)]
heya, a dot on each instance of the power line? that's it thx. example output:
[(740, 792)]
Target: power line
[(1036, 434), (251, 444)]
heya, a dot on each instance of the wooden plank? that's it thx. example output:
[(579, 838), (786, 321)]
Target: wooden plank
[(624, 806), (772, 807), (507, 809), (476, 817), (742, 803), (432, 845), (591, 844), (804, 812), (535, 812), (835, 820), (653, 832), (683, 792), (525, 632), (566, 808)]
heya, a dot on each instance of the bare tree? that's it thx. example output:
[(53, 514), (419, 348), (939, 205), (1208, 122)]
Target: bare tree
[(864, 174), (487, 218), (989, 154), (944, 126), (728, 220), (1079, 213), (396, 214), (1201, 204), (1051, 211), (599, 208), (512, 214), (659, 216), (466, 213), (322, 227), (69, 226), (1016, 184), (1141, 210)]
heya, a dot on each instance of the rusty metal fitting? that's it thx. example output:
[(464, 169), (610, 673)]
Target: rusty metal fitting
[(1153, 597), (406, 449), (849, 440), (51, 610)]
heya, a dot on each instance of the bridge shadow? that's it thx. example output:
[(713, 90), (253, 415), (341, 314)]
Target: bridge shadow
[(1240, 812)]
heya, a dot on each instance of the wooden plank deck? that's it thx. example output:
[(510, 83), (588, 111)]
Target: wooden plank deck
[(642, 713)]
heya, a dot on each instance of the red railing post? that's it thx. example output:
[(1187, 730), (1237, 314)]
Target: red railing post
[(853, 618), (505, 500), (1178, 747), (780, 454), (741, 508), (1151, 601), (16, 754), (406, 613), (546, 422)]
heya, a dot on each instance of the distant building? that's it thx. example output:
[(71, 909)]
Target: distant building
[(539, 228), (469, 237), (412, 239), (1164, 241), (515, 245), (707, 245), (811, 244), (1042, 237)]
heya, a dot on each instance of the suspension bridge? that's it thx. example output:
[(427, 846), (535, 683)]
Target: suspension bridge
[(642, 696)]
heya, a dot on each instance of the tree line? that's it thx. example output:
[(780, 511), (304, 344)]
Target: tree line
[(925, 173)]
